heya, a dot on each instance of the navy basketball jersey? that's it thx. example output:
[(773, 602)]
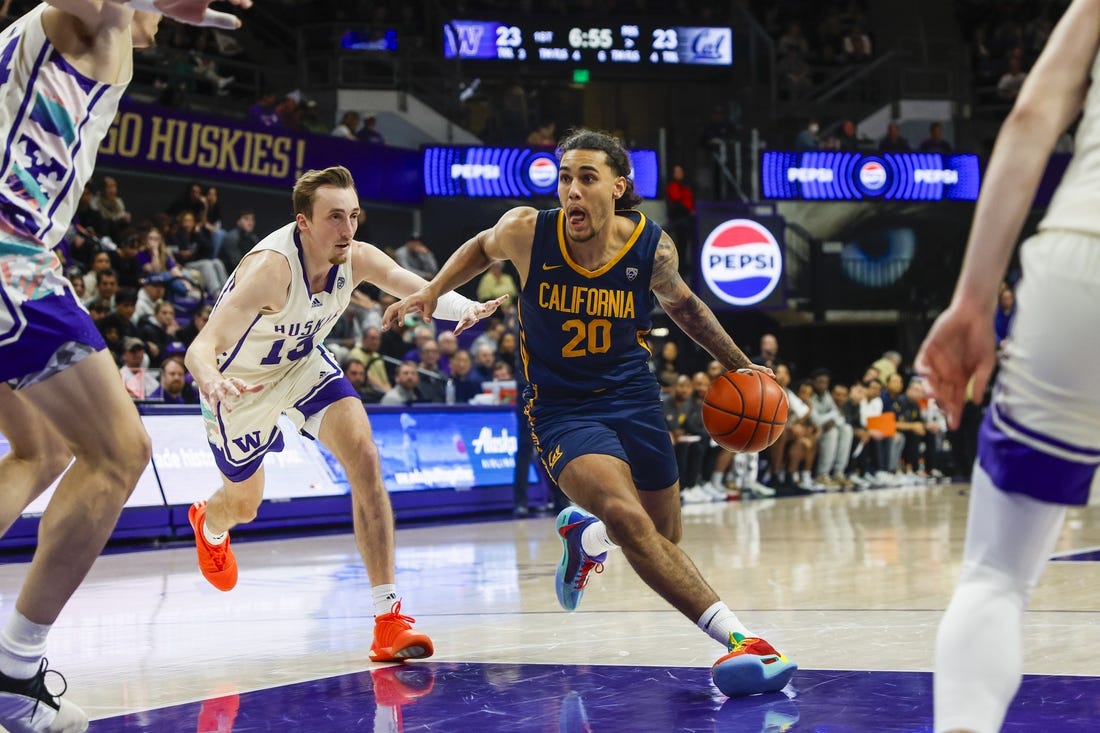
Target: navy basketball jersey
[(583, 331)]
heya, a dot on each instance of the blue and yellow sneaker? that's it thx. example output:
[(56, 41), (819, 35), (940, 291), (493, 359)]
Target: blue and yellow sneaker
[(575, 565), (752, 666)]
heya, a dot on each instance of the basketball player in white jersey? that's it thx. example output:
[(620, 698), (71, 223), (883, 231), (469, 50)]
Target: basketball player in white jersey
[(1039, 445), (63, 68), (261, 354)]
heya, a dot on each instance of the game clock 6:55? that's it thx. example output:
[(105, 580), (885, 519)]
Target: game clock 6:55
[(591, 38)]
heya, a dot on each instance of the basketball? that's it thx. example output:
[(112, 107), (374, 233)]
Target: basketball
[(745, 411)]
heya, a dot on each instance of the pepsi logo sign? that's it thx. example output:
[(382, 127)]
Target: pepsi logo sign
[(543, 171), (741, 262), (872, 175)]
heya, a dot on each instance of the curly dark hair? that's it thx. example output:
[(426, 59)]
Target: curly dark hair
[(617, 158)]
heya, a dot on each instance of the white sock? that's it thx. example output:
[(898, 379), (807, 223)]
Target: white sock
[(806, 476), (210, 537), (716, 479), (594, 540), (719, 621), (22, 646), (385, 596)]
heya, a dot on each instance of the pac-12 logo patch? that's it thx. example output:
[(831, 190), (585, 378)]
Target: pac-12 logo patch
[(631, 273), (741, 262)]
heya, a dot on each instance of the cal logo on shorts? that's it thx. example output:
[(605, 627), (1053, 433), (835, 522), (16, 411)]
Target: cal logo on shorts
[(554, 457)]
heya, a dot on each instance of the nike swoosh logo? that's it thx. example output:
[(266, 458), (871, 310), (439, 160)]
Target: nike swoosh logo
[(549, 267), (567, 528)]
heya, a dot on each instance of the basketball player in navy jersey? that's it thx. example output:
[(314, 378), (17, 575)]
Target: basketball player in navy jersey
[(589, 271), (63, 68), (1039, 444)]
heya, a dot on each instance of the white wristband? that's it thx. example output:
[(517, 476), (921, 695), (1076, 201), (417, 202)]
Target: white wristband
[(451, 306)]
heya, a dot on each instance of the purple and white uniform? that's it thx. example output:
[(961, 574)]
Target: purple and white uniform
[(1041, 435), (285, 353), (53, 119)]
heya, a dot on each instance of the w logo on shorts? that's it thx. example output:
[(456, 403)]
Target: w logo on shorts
[(249, 442)]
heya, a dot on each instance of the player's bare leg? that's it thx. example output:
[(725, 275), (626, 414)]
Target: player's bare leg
[(346, 432), (38, 456)]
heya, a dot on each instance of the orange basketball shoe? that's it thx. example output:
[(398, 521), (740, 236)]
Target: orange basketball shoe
[(751, 667), (395, 639), (215, 561)]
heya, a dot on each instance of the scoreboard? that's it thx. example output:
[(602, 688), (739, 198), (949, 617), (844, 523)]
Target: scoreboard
[(644, 45)]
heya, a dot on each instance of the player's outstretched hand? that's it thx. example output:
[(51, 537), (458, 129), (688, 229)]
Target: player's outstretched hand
[(422, 302), (757, 368), (227, 391), (193, 12), (476, 311), (959, 347)]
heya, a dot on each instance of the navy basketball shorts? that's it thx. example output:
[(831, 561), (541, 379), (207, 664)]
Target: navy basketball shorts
[(634, 432), (1041, 434)]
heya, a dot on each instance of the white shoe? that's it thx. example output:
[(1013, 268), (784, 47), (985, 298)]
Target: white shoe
[(758, 489), (27, 706), (716, 494), (694, 495)]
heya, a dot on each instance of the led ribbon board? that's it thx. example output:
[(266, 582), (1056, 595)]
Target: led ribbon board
[(836, 176)]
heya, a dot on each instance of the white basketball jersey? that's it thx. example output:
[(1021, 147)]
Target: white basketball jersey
[(1077, 200), (52, 118), (274, 344)]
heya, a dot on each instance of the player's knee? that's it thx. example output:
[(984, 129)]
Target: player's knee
[(244, 507), (627, 523)]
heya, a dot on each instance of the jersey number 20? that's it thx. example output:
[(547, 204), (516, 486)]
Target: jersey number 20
[(589, 337)]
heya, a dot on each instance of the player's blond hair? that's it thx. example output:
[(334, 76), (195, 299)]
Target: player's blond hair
[(305, 189)]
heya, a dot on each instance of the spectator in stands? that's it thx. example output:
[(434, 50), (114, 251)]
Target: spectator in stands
[(834, 433), (160, 329), (857, 47), (78, 249), (679, 409), (174, 387), (356, 373), (135, 377), (881, 443), (152, 291), (125, 307), (1008, 86), (106, 285), (461, 371), (263, 113), (193, 199), (415, 256), (887, 364), (101, 261), (433, 382), (344, 335), (239, 240), (893, 142), (99, 309), (422, 333), (494, 329), (112, 209), (681, 215), (198, 321), (667, 364), (349, 125), (76, 278), (125, 262), (1006, 311), (935, 142), (448, 345), (795, 75), (206, 68), (290, 110), (788, 453), (496, 282), (793, 41), (848, 138), (87, 220), (508, 347), (311, 120), (195, 252), (405, 390), (369, 133), (484, 356), (769, 352), (807, 138), (847, 401), (214, 216), (368, 352)]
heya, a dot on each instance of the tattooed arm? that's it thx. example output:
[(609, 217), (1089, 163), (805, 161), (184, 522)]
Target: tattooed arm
[(690, 313)]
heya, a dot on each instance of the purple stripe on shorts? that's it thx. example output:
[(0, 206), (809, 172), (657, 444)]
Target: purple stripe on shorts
[(52, 322), (335, 389), (238, 472), (1021, 469), (1042, 438)]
